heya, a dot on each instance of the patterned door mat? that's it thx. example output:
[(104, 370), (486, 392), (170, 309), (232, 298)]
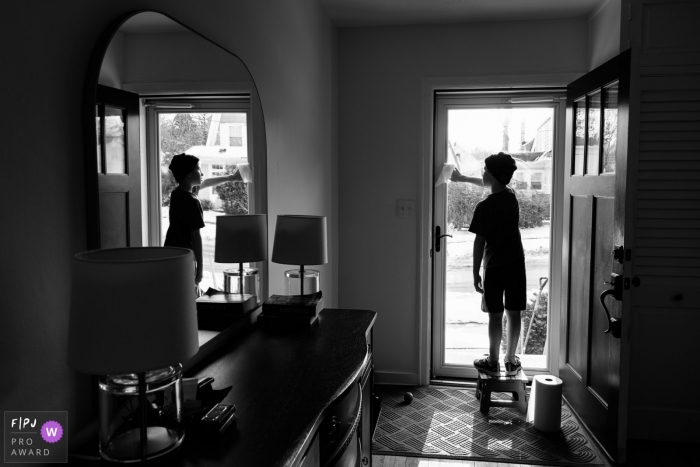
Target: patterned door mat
[(444, 422)]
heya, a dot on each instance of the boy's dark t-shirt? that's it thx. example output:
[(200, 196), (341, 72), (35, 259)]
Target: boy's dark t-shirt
[(496, 219), (186, 215)]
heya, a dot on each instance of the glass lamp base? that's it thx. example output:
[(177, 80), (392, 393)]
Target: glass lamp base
[(126, 447), (251, 282), (292, 284), (121, 415)]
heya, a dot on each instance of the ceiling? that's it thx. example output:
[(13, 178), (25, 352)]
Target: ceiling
[(399, 12)]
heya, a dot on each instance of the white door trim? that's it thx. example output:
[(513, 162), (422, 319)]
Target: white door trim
[(425, 189)]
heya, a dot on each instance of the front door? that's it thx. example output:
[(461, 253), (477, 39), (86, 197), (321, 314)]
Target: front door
[(591, 362), (114, 202)]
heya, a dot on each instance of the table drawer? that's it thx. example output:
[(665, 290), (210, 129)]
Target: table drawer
[(339, 424)]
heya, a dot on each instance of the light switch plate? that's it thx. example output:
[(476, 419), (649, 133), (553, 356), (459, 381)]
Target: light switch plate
[(406, 208)]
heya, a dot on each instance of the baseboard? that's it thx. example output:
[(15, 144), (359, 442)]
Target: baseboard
[(398, 378), (670, 424)]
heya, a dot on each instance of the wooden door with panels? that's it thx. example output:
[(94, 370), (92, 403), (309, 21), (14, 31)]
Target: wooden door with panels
[(593, 254), (114, 180)]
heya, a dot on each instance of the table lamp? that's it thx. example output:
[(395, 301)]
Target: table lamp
[(132, 321), (241, 239), (301, 240)]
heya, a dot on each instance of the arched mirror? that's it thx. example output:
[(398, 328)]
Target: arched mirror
[(155, 89)]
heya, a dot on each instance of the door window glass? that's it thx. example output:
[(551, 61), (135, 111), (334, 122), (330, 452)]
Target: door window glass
[(114, 141), (593, 146), (579, 135), (610, 127)]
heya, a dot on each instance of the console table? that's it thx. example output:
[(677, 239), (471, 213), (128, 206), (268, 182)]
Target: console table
[(297, 394)]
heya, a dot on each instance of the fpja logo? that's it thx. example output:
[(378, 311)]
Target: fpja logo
[(33, 436)]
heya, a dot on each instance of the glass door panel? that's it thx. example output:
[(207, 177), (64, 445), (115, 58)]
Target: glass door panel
[(472, 134)]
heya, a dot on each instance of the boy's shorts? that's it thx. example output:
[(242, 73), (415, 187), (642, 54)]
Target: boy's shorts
[(508, 280)]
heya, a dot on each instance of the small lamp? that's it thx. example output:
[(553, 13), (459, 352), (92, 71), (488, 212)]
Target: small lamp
[(241, 239), (301, 240), (133, 319)]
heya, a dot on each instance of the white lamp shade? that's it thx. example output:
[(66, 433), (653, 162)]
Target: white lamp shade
[(241, 239), (300, 240), (132, 310)]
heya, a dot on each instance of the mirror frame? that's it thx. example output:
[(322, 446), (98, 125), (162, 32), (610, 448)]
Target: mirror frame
[(89, 99)]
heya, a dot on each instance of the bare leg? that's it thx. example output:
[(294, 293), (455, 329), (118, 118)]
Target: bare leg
[(495, 334), (512, 333)]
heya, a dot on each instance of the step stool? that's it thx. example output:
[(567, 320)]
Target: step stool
[(515, 385)]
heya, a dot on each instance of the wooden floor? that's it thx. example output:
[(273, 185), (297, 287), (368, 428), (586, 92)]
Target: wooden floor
[(396, 461)]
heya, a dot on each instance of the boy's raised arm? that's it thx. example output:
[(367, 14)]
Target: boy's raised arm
[(458, 177), (213, 181)]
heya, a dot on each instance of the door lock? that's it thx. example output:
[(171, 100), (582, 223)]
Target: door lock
[(614, 324)]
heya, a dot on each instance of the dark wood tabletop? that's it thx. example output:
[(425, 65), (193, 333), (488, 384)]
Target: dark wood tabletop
[(282, 380)]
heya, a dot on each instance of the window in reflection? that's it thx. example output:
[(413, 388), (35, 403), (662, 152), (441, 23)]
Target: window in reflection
[(114, 140), (579, 136), (220, 141), (98, 132)]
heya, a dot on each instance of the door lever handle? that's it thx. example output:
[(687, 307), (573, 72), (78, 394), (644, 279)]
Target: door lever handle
[(614, 324), (438, 237)]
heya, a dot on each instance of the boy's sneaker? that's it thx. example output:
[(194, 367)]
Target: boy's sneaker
[(484, 365), (513, 367)]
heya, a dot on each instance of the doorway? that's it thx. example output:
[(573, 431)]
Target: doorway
[(468, 128)]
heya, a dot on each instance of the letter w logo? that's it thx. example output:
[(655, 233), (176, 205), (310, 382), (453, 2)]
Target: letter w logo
[(52, 432)]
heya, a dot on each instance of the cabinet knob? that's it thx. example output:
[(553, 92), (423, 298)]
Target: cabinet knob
[(678, 297), (365, 461)]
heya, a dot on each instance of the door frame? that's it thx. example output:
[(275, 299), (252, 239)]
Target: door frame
[(426, 179), (489, 100)]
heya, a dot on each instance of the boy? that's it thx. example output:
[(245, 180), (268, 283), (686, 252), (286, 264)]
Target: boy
[(498, 243), (186, 214)]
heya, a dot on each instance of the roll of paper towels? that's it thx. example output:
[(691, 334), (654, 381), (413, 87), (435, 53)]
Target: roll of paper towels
[(544, 409)]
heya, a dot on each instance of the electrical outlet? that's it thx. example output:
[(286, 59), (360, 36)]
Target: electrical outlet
[(406, 208)]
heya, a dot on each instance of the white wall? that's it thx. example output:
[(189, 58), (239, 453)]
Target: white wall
[(604, 33), (290, 49), (380, 142), (182, 57), (112, 71)]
